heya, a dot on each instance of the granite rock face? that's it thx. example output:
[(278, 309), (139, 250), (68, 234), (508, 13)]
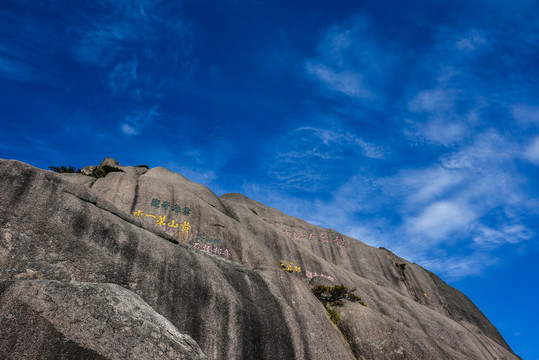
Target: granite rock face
[(147, 264), (51, 319)]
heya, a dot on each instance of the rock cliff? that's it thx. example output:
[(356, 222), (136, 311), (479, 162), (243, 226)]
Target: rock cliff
[(143, 264)]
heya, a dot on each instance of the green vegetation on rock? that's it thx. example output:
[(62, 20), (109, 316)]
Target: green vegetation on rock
[(334, 295), (64, 170), (102, 171), (334, 316), (98, 173)]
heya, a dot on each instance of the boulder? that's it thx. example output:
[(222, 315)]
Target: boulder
[(232, 274), (110, 162), (47, 319)]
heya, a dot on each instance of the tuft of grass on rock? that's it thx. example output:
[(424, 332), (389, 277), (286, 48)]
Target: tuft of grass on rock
[(355, 298), (334, 316)]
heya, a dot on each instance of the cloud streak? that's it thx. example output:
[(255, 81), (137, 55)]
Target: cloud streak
[(135, 122), (348, 83), (123, 75), (307, 156), (13, 66), (531, 151), (127, 27), (439, 221), (349, 62)]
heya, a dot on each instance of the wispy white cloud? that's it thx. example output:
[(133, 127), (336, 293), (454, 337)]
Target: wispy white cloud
[(490, 152), (471, 41), (457, 266), (531, 151), (439, 221), (14, 70), (435, 115), (307, 179), (14, 66), (304, 158), (441, 131), (348, 61), (129, 26), (435, 100), (489, 238), (338, 141), (448, 111), (525, 114), (100, 45), (349, 83), (451, 205), (123, 75), (138, 120), (371, 150), (425, 186)]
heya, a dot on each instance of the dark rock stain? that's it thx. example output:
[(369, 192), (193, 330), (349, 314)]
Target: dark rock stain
[(105, 235), (135, 198)]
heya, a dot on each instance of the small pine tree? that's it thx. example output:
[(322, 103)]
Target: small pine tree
[(64, 170)]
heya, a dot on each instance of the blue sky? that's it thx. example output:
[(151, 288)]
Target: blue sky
[(412, 125)]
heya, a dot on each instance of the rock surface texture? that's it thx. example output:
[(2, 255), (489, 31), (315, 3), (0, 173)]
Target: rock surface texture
[(145, 264)]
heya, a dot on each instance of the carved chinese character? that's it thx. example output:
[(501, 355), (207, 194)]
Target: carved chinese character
[(161, 220), (289, 267), (165, 205), (323, 240), (185, 227)]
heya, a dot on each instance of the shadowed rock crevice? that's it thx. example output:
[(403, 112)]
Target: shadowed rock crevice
[(401, 269)]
